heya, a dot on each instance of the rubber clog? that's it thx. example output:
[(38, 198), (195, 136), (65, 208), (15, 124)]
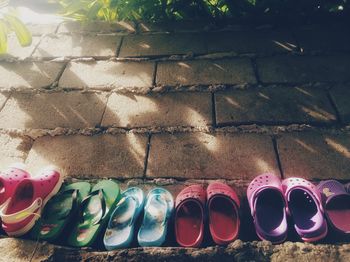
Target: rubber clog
[(223, 209), (268, 208)]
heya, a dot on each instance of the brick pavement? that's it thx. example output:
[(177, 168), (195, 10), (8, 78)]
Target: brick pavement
[(187, 103)]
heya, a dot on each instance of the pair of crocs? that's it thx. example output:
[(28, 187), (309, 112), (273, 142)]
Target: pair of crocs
[(157, 206), (23, 197), (80, 208), (272, 200), (336, 202), (222, 204)]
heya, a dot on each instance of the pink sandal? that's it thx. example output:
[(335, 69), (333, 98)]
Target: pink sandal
[(28, 200), (305, 206), (9, 179), (268, 208)]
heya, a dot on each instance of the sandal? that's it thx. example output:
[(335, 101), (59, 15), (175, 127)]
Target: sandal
[(60, 210), (305, 207), (28, 200), (223, 209), (9, 179), (121, 225), (94, 213), (268, 208), (336, 202), (189, 216), (158, 209)]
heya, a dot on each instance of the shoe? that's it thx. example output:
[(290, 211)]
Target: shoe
[(95, 210), (158, 209), (336, 203), (9, 179), (28, 200), (59, 211), (223, 210), (189, 216), (305, 207), (268, 208), (121, 225)]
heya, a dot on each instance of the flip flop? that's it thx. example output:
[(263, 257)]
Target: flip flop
[(29, 199), (158, 209), (268, 208), (189, 216), (336, 200), (305, 207), (121, 225), (60, 210), (223, 208), (9, 179), (95, 210)]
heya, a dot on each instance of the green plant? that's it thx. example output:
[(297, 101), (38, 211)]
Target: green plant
[(155, 10), (10, 22)]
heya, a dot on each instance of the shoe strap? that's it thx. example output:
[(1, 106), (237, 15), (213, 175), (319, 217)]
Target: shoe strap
[(22, 214), (74, 196), (86, 200)]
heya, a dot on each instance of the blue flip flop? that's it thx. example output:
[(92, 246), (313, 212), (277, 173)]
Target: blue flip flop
[(121, 226), (158, 209)]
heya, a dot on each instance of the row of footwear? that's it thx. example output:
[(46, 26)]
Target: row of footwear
[(85, 215)]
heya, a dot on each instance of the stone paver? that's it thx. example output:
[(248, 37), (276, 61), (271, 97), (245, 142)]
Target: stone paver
[(323, 38), (97, 27), (28, 74), (114, 156), (315, 155), (251, 41), (51, 110), (171, 109), (301, 69), (43, 29), (15, 50), (273, 105), (340, 95), (206, 72), (107, 75), (17, 250), (162, 45), (13, 149), (202, 155), (174, 26), (78, 46)]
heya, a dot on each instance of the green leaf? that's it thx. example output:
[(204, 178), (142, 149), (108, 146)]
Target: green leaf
[(94, 9), (3, 38), (23, 34)]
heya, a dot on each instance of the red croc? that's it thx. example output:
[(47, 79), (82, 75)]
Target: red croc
[(223, 208), (189, 216), (28, 200), (9, 179)]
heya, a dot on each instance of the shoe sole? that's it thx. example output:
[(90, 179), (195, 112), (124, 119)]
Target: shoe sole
[(31, 224)]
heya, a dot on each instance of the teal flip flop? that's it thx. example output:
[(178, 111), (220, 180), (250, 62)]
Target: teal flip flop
[(121, 225), (158, 209)]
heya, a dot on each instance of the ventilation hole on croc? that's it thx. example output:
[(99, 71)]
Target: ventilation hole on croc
[(16, 175), (267, 176), (45, 175), (266, 180)]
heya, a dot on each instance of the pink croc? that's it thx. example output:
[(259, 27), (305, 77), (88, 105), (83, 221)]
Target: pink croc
[(268, 207), (29, 198), (305, 206), (9, 179)]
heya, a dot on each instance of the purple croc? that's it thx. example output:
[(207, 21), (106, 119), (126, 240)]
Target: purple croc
[(305, 207), (268, 208), (336, 202)]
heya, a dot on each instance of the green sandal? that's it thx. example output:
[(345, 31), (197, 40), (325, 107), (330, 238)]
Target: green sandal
[(95, 210), (59, 211)]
